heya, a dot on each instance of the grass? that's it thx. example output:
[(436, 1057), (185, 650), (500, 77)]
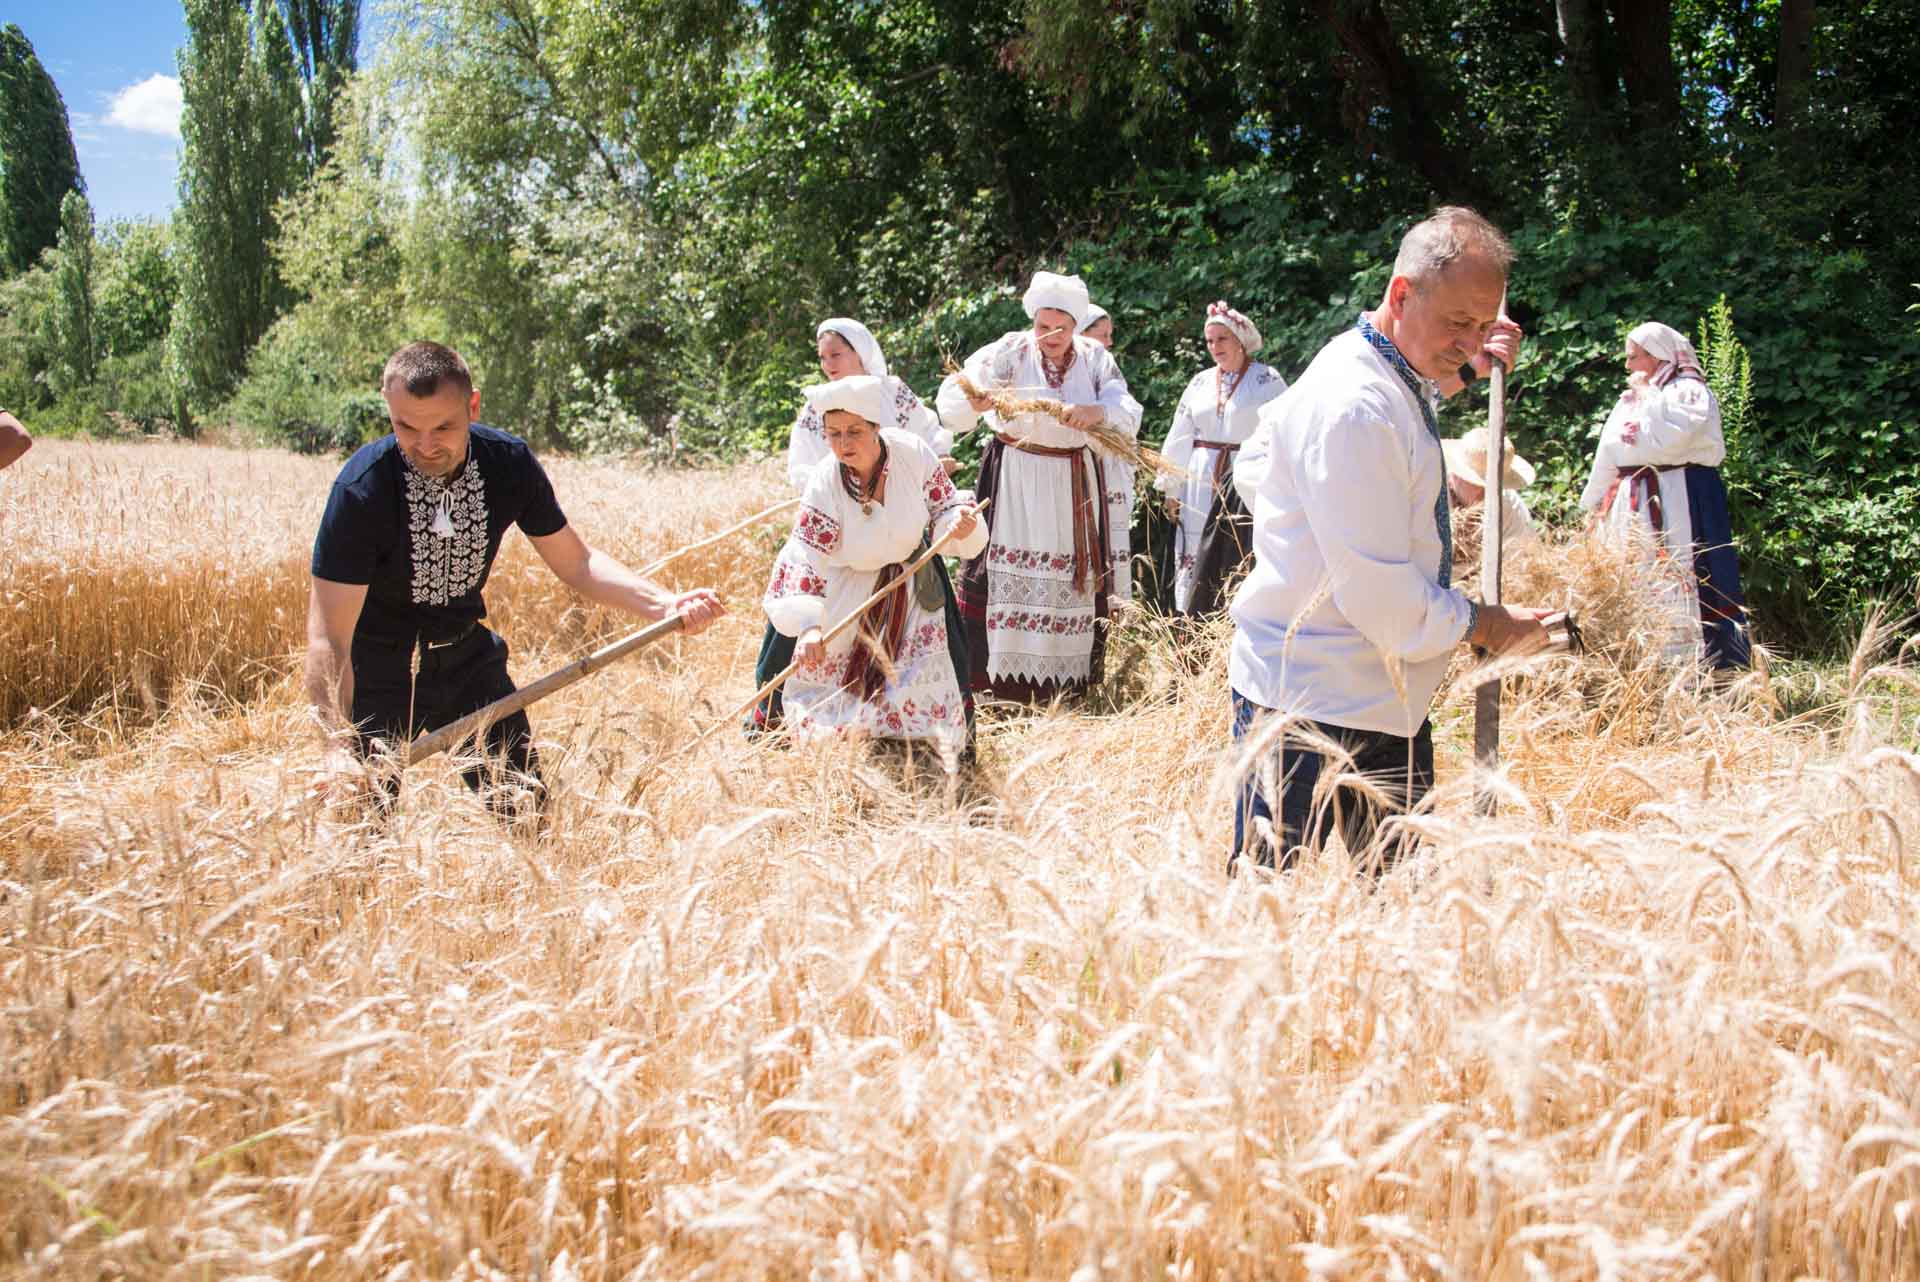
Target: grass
[(757, 1013)]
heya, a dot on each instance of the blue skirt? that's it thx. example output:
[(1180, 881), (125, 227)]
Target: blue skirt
[(1723, 607)]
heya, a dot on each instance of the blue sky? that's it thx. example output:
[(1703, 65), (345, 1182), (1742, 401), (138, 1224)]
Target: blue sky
[(105, 57), (116, 64)]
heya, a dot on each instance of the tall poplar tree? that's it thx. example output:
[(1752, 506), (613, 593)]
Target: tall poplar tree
[(326, 48), (240, 135), (76, 337), (38, 166)]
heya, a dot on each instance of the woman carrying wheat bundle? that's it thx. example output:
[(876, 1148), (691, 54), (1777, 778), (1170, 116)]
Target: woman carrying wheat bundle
[(1035, 600), (1217, 414), (879, 499), (1656, 483), (846, 348)]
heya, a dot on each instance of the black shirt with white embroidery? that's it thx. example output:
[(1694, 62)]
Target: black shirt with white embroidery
[(424, 546)]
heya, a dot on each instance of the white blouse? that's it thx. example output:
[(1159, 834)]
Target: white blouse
[(837, 550)]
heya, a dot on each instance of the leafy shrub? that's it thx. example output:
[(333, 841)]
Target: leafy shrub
[(1825, 439), (290, 396)]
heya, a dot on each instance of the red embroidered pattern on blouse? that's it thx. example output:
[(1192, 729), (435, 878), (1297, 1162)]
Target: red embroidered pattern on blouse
[(818, 530), (940, 492), (796, 578)]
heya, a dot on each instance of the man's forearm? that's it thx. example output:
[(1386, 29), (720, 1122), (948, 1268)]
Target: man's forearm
[(329, 685), (607, 582)]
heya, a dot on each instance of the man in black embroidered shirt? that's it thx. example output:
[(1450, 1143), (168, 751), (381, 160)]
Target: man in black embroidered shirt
[(406, 542)]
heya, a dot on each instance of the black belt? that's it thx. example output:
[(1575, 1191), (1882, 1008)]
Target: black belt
[(430, 645)]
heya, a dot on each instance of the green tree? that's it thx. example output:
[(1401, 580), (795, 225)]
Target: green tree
[(135, 285), (76, 336), (240, 157), (325, 36), (38, 166)]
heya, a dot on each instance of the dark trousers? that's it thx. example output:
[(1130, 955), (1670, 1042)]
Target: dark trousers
[(391, 703), (776, 652), (1401, 769)]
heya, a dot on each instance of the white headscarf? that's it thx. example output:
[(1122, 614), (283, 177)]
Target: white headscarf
[(1095, 314), (1062, 293), (860, 339), (1239, 326), (1668, 346), (863, 394)]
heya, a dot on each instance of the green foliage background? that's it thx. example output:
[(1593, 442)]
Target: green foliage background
[(630, 215)]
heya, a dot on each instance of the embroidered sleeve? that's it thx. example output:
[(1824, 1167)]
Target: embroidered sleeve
[(1178, 448), (817, 530), (806, 446), (944, 511), (796, 596)]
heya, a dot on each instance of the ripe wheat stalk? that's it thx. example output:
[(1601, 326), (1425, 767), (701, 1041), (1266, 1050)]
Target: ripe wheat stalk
[(797, 1013)]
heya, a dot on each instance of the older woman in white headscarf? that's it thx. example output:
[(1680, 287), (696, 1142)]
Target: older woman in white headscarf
[(1036, 599), (1656, 483), (847, 348), (1217, 414), (875, 502)]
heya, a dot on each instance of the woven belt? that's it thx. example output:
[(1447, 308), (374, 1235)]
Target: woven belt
[(1222, 462), (1086, 516), (1643, 487)]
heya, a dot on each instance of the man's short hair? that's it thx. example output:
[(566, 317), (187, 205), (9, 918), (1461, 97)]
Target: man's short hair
[(421, 367), (1447, 235)]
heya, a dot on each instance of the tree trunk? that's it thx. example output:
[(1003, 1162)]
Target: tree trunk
[(1645, 31), (1590, 82), (1383, 75), (1795, 65)]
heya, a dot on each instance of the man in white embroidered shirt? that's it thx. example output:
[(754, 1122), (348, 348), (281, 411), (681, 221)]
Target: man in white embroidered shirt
[(1347, 620)]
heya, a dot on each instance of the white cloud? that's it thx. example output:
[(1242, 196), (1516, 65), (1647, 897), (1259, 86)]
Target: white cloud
[(149, 107)]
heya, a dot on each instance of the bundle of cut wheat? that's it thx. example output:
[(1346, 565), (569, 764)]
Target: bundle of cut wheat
[(1008, 404)]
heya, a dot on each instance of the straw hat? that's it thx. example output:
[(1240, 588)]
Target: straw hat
[(1467, 459)]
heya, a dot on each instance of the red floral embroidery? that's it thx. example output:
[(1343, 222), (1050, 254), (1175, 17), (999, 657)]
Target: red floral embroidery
[(1032, 621), (818, 530), (796, 578), (1023, 559), (940, 491), (904, 403)]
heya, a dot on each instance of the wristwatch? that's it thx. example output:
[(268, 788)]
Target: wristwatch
[(1468, 373)]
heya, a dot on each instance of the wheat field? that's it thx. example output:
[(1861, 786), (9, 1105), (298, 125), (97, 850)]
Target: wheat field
[(816, 1013)]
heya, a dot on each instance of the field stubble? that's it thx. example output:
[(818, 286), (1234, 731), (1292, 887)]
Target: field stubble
[(757, 1013)]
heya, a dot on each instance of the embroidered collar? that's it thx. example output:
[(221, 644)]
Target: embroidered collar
[(1424, 391)]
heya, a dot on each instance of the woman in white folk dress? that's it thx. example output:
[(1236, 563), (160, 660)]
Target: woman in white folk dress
[(1036, 601), (1656, 484), (846, 348), (1217, 414), (868, 509)]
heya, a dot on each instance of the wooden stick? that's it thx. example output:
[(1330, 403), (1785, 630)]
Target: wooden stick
[(854, 616), (476, 723), (1493, 510), (654, 567)]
